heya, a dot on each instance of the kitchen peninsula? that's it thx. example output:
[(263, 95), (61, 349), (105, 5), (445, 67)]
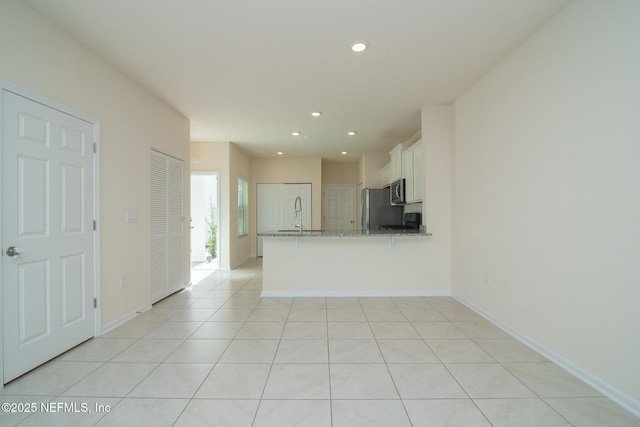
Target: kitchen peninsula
[(349, 263)]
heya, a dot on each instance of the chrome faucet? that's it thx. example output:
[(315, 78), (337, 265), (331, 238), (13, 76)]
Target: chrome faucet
[(297, 208)]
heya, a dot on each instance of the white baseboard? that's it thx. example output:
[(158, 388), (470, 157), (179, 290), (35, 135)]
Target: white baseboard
[(122, 320), (242, 261), (624, 400), (306, 294)]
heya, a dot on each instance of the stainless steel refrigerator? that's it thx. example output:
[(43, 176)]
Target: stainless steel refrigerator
[(376, 210)]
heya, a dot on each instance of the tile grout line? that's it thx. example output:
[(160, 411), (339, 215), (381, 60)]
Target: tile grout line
[(219, 357), (389, 370), (329, 362), (271, 365), (453, 376), (473, 400), (246, 289)]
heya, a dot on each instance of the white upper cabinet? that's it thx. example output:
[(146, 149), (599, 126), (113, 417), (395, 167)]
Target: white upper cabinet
[(407, 169), (385, 173), (407, 163), (413, 166), (395, 169), (418, 172)]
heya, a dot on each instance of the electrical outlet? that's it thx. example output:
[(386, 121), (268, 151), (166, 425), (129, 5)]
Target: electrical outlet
[(123, 282), (344, 264)]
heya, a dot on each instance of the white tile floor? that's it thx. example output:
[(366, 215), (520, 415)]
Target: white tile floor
[(220, 355)]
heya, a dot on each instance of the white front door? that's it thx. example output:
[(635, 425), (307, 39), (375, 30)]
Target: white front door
[(47, 233), (338, 201)]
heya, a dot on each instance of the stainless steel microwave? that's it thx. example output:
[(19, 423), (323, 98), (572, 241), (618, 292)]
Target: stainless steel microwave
[(396, 193)]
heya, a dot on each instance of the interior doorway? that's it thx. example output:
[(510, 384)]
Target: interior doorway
[(205, 230), (49, 264), (338, 207)]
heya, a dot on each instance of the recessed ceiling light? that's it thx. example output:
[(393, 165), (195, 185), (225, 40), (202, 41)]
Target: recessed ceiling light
[(295, 133), (359, 46), (351, 132), (280, 153), (316, 113), (344, 153)]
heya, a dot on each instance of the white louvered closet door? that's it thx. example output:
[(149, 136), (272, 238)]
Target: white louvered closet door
[(167, 225)]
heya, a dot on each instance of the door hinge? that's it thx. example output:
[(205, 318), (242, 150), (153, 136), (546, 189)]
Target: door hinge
[(95, 147), (94, 225), (95, 303)]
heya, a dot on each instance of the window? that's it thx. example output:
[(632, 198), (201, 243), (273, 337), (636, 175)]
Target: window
[(243, 210)]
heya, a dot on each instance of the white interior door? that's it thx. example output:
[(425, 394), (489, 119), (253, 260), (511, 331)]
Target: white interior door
[(338, 201), (48, 214), (275, 208), (167, 225)]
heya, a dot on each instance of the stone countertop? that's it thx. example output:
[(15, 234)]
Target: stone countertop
[(344, 233)]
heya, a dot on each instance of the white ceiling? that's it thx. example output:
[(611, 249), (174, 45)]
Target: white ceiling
[(251, 71)]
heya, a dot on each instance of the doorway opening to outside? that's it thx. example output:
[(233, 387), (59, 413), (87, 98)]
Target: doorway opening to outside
[(205, 230)]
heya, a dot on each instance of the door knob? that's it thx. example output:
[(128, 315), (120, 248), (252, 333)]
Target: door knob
[(13, 252)]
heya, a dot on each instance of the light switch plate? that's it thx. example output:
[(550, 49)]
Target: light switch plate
[(131, 216)]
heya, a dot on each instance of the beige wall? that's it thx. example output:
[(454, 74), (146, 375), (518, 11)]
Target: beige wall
[(369, 169), (547, 207), (437, 145), (42, 59), (231, 163), (544, 190), (339, 173), (284, 170)]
